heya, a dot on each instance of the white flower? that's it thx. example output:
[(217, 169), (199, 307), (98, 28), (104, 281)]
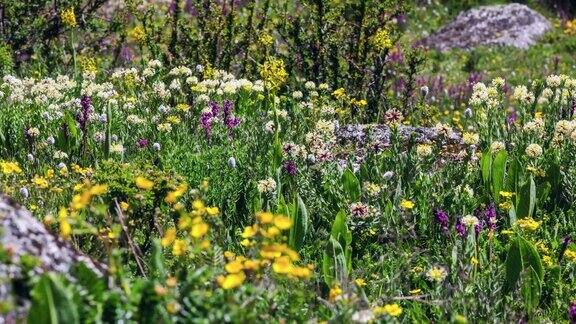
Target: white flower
[(363, 316), (117, 148), (297, 95), (269, 126), (388, 175), (534, 150), (156, 146), (60, 155), (496, 147), (423, 150), (470, 220), (310, 85), (266, 185)]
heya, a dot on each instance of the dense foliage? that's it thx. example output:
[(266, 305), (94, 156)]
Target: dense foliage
[(271, 161)]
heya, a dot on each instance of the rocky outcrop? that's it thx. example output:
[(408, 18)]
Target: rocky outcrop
[(508, 25), (23, 237)]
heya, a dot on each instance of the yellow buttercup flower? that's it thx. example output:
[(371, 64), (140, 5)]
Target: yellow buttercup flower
[(179, 248), (393, 310), (144, 183), (169, 237), (232, 280), (282, 222), (360, 282), (199, 230), (406, 204), (234, 266)]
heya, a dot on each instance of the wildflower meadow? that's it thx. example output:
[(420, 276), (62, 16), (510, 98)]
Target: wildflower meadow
[(285, 161)]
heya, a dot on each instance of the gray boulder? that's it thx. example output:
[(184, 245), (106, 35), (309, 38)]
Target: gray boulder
[(507, 25), (22, 235)]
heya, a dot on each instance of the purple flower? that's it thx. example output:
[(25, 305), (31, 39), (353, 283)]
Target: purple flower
[(214, 108), (460, 227), (490, 216), (512, 118), (230, 121), (442, 219), (206, 123), (83, 115), (290, 167), (572, 312), (142, 143)]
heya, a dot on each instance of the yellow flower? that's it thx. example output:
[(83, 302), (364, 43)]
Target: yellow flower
[(138, 34), (10, 167), (282, 222), (232, 280), (436, 274), (415, 291), (68, 17), (474, 261), (528, 224), (179, 248), (124, 206), (570, 255), (173, 307), (144, 183), (199, 230), (234, 266), (265, 217), (212, 211), (393, 310), (282, 265), (174, 195), (360, 282), (98, 190), (273, 73), (250, 231), (406, 204), (40, 182), (169, 237), (507, 232), (65, 229), (252, 264), (506, 194), (183, 107), (265, 39), (381, 40), (334, 293), (301, 272)]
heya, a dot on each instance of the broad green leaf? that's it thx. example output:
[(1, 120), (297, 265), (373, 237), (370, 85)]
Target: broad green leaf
[(531, 289), (52, 302), (351, 185), (513, 266), (300, 228), (486, 165), (498, 172)]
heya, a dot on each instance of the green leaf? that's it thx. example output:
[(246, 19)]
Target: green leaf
[(531, 289), (52, 302), (157, 269), (513, 266), (351, 185), (526, 199), (498, 172), (486, 164), (300, 228), (95, 285), (334, 262), (531, 257)]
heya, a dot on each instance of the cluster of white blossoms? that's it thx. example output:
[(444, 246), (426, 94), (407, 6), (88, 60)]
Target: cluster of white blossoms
[(533, 150), (535, 126), (266, 185), (483, 95), (564, 130), (522, 95)]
